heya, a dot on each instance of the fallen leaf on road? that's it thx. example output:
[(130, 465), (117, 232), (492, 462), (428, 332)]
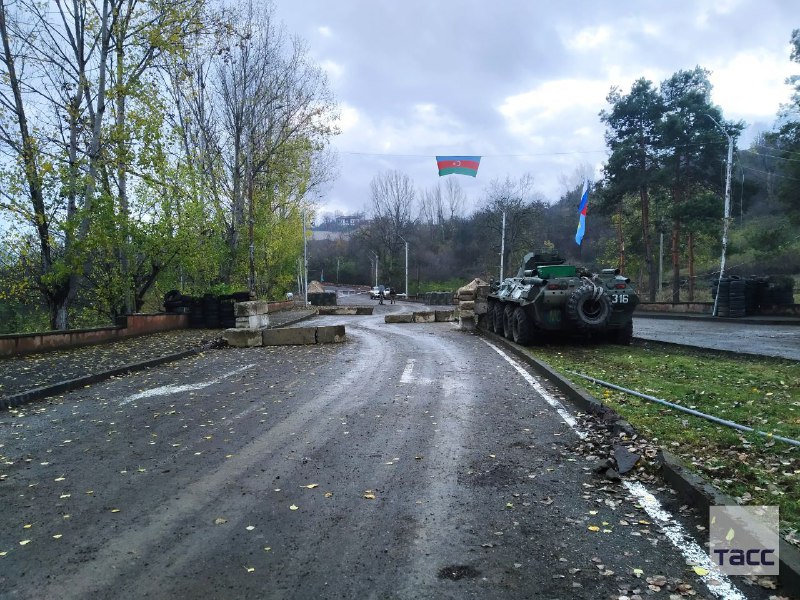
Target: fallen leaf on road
[(27, 526), (24, 542), (700, 571), (594, 528), (328, 494), (369, 495), (310, 486), (250, 527), (293, 507), (115, 510), (62, 478), (417, 458), (90, 491), (3, 553), (509, 505), (220, 521), (250, 569), (267, 548), (62, 496), (57, 536)]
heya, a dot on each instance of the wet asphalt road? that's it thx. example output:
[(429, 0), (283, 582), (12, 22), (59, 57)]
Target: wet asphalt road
[(379, 468), (768, 340)]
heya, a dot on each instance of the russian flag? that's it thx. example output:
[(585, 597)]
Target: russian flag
[(582, 213), (458, 165)]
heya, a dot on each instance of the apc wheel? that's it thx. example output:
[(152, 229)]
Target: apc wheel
[(522, 327), (624, 336), (498, 318), (508, 321), (490, 315), (586, 311)]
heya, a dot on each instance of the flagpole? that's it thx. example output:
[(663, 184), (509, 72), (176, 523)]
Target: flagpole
[(502, 246)]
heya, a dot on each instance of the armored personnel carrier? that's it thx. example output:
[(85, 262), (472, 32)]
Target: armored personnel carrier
[(548, 297)]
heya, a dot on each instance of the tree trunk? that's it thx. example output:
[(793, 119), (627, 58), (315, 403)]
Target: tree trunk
[(647, 240), (691, 267), (676, 260)]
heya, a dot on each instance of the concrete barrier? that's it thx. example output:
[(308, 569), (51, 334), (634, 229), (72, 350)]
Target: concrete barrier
[(401, 318), (345, 310), (333, 334), (424, 316), (443, 316), (241, 337)]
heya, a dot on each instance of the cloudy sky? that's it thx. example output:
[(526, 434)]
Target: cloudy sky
[(521, 83)]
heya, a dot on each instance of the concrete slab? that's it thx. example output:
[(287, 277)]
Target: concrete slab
[(401, 318), (332, 334), (290, 336), (243, 337), (253, 307), (443, 316), (424, 316)]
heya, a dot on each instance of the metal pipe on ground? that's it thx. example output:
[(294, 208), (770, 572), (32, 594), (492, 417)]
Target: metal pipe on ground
[(690, 411)]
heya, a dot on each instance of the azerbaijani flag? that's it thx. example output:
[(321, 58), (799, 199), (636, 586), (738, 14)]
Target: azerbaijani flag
[(458, 165), (582, 213)]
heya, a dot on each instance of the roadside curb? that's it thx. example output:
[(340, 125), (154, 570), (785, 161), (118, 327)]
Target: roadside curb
[(62, 387), (691, 487), (704, 317)]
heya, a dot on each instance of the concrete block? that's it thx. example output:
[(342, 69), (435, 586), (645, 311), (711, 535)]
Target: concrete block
[(364, 310), (466, 314), (482, 292), (401, 318), (466, 305), (253, 307), (466, 324), (443, 316), (253, 322), (469, 295), (333, 334), (243, 338), (424, 316), (289, 336), (481, 307)]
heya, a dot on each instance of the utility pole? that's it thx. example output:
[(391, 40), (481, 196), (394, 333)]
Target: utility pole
[(305, 262), (406, 242), (727, 212), (376, 267)]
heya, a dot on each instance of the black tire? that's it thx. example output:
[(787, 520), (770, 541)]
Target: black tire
[(490, 316), (623, 336), (498, 318), (522, 326), (585, 311), (508, 321)]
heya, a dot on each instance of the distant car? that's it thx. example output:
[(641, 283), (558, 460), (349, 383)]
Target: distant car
[(375, 293)]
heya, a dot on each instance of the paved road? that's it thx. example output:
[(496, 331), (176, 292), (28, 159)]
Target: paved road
[(413, 461), (769, 340)]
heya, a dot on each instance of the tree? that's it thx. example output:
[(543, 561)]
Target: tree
[(634, 167)]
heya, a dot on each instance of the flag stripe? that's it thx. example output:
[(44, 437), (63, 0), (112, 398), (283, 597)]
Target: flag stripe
[(582, 213), (452, 163), (458, 171)]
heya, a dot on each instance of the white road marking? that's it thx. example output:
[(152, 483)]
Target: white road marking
[(718, 582), (568, 418), (166, 390), (407, 376)]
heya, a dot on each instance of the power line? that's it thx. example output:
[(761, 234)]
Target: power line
[(771, 156), (768, 173)]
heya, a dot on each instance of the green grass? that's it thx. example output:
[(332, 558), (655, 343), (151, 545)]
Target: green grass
[(762, 393)]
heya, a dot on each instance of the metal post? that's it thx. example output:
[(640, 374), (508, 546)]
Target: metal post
[(727, 211), (660, 264), (376, 267), (502, 246), (305, 262), (406, 270)]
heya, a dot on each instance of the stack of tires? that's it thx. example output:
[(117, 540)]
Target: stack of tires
[(196, 319), (736, 297), (721, 292), (211, 304), (176, 303), (322, 298), (227, 316)]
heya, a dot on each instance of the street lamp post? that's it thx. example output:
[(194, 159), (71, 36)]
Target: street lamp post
[(376, 267), (727, 211), (305, 262), (406, 242)]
